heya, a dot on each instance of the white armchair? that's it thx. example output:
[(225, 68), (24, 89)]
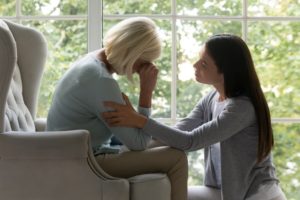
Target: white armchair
[(38, 165)]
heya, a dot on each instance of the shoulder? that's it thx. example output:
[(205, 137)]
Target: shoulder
[(88, 75), (242, 103), (242, 106), (89, 67)]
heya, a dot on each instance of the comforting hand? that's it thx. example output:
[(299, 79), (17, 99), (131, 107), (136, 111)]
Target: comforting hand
[(123, 115)]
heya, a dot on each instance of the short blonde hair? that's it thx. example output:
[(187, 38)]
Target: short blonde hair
[(129, 40)]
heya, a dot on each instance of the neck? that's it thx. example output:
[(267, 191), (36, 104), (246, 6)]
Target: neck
[(220, 89), (102, 56)]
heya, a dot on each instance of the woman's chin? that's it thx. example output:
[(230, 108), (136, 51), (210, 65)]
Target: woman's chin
[(198, 79)]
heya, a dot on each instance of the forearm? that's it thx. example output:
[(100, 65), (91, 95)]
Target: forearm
[(168, 135), (145, 99), (148, 78)]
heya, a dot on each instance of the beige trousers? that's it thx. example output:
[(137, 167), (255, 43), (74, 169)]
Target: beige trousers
[(164, 159)]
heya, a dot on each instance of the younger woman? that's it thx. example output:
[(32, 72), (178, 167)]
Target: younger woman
[(232, 123)]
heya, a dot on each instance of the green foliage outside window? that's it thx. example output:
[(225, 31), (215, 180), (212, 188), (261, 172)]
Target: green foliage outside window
[(7, 7), (274, 46)]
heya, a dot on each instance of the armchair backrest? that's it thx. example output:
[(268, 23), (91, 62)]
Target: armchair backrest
[(22, 54)]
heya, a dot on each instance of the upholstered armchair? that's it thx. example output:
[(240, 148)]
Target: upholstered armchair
[(39, 165)]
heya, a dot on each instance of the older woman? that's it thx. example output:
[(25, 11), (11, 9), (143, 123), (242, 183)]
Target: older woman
[(129, 47)]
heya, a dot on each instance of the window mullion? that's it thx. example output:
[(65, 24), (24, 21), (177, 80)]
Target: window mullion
[(18, 10), (174, 64), (245, 20), (95, 21)]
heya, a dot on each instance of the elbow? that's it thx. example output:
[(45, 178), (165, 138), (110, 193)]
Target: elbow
[(188, 145)]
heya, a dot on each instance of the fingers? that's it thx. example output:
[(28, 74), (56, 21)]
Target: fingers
[(149, 69), (113, 121), (126, 99), (141, 66), (109, 115), (148, 73), (111, 118)]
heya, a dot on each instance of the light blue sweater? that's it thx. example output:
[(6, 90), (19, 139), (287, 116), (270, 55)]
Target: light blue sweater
[(78, 104), (237, 131)]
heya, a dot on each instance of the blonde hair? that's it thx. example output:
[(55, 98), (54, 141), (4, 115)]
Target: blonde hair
[(129, 40)]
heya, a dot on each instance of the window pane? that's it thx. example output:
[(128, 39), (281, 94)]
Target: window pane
[(275, 48), (136, 7), (54, 7), (162, 95), (67, 41), (191, 35), (196, 167), (274, 8), (209, 7), (7, 7), (286, 156)]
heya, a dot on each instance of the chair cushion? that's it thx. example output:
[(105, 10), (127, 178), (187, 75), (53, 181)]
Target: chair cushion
[(150, 187), (17, 115)]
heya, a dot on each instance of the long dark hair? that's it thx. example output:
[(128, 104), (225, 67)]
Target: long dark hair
[(233, 58)]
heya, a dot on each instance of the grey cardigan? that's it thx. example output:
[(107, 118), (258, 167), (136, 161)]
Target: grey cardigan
[(237, 131)]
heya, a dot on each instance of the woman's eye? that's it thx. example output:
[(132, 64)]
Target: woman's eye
[(203, 64)]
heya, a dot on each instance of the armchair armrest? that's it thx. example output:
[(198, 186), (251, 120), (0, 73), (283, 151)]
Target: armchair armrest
[(54, 165), (48, 145), (59, 145)]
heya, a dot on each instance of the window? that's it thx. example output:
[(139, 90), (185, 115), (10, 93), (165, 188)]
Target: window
[(270, 27)]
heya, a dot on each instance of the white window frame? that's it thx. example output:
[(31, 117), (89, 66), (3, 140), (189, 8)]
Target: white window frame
[(95, 17)]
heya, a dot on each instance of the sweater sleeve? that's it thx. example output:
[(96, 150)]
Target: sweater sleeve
[(96, 91), (194, 119), (238, 114)]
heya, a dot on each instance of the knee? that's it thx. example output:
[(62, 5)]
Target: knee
[(175, 158), (181, 157)]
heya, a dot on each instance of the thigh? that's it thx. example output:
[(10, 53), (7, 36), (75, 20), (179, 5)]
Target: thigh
[(203, 193), (131, 163)]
